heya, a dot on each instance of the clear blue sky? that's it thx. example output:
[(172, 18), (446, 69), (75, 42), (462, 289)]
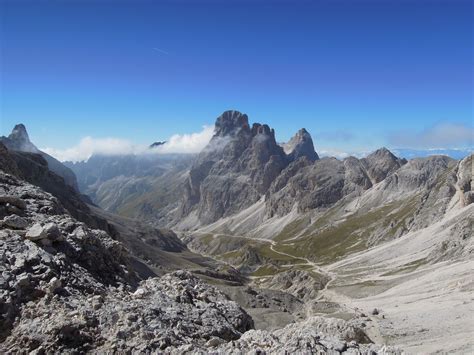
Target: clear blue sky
[(355, 73)]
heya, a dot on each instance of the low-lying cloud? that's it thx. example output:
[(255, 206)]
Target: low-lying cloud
[(443, 135), (187, 143), (340, 154), (177, 144)]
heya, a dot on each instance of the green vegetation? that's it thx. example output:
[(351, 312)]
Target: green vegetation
[(267, 253), (350, 235), (266, 270), (407, 267), (292, 229), (205, 238)]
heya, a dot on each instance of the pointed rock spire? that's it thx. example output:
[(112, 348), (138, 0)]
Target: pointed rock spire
[(19, 133), (301, 144)]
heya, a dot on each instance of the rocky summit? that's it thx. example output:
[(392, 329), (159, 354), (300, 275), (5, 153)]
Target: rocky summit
[(249, 247), (19, 141), (237, 167)]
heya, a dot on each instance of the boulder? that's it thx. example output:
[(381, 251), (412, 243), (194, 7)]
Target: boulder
[(36, 232), (15, 222)]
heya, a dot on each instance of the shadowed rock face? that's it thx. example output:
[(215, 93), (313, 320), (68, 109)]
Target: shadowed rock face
[(234, 170), (18, 140), (381, 163), (322, 183), (301, 145), (34, 168)]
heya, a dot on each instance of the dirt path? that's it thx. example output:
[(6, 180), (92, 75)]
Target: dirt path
[(326, 294)]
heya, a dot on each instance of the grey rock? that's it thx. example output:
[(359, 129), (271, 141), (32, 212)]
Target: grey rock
[(15, 201), (234, 170), (317, 335), (54, 285), (381, 163), (52, 231), (18, 140), (14, 221), (300, 145), (36, 232)]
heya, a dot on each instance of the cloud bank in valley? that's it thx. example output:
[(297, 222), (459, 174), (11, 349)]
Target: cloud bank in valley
[(177, 144)]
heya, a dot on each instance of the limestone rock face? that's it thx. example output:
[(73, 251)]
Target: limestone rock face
[(7, 162), (18, 140), (380, 164), (317, 335), (301, 145), (234, 170), (321, 184)]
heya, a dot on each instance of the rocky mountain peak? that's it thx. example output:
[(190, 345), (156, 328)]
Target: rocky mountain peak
[(231, 122), (382, 153), (381, 163), (19, 133), (19, 140), (263, 129), (301, 144)]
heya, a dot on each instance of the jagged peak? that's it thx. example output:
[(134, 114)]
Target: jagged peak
[(19, 133), (230, 122), (263, 129), (19, 140), (301, 144)]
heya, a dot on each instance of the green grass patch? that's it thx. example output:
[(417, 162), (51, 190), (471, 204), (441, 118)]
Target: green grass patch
[(292, 229), (350, 235), (407, 267)]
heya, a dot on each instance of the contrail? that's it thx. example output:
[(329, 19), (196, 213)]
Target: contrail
[(161, 51)]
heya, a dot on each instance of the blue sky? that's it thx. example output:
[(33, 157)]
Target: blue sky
[(357, 74)]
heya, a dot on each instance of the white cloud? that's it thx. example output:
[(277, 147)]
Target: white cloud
[(442, 135), (88, 146), (187, 143), (340, 154)]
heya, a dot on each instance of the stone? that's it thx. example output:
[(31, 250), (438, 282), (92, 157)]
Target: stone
[(15, 222), (52, 231), (54, 285), (36, 232), (23, 280), (15, 201), (214, 341), (301, 145)]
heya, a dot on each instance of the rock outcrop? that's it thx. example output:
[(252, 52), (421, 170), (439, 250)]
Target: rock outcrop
[(326, 181), (33, 168), (317, 335), (380, 164), (300, 145), (234, 170), (67, 288), (18, 140)]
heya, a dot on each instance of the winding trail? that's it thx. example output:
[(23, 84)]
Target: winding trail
[(325, 294)]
